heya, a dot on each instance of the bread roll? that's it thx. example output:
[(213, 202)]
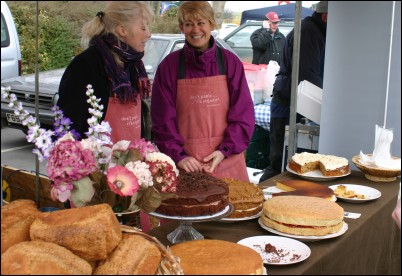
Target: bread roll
[(40, 258), (16, 218), (90, 232), (134, 255), (216, 257)]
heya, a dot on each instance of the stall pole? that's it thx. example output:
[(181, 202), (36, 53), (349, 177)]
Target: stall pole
[(292, 145), (37, 183), (389, 62)]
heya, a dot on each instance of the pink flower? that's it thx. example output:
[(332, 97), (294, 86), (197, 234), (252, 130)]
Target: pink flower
[(122, 181), (145, 147), (68, 162)]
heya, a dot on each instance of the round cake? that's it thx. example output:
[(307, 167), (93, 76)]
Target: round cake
[(303, 188), (216, 257), (246, 198), (329, 165), (302, 215), (197, 194)]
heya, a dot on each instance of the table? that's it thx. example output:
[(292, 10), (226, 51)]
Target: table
[(371, 245)]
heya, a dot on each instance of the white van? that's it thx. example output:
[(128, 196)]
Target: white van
[(10, 45)]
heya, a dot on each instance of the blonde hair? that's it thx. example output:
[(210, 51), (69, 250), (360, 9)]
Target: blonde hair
[(115, 13), (196, 9)]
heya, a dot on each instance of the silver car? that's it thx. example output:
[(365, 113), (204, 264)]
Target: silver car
[(157, 48)]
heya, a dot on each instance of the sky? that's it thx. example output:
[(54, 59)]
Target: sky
[(239, 6)]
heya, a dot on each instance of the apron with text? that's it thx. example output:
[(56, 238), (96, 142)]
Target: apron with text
[(202, 106), (124, 119)]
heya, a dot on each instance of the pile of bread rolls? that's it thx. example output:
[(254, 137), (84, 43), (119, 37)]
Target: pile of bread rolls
[(84, 241)]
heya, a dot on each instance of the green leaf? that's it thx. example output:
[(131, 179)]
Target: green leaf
[(150, 199), (82, 192)]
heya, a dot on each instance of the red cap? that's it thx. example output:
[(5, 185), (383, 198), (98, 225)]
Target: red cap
[(272, 16)]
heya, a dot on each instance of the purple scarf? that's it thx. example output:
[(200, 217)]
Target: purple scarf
[(121, 84)]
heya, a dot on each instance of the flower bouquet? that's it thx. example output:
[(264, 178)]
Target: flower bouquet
[(127, 175)]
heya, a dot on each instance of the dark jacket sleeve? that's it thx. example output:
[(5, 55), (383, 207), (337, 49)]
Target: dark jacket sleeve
[(84, 69)]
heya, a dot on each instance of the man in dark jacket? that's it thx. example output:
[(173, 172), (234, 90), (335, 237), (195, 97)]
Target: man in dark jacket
[(268, 41), (311, 68)]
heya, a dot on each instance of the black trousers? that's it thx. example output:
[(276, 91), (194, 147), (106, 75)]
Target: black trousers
[(277, 139)]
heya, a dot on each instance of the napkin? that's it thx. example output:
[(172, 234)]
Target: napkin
[(351, 215), (381, 156)]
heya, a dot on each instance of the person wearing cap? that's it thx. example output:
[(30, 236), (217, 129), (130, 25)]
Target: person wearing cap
[(268, 41), (311, 68)]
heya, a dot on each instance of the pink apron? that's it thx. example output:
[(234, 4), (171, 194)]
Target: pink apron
[(124, 119), (202, 106)]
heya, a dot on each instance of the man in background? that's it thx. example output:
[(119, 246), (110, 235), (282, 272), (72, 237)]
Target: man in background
[(311, 68), (268, 41)]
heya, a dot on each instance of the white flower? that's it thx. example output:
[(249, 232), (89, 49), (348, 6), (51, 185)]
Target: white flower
[(142, 172)]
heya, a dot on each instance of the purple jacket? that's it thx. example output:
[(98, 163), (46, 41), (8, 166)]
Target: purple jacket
[(198, 65)]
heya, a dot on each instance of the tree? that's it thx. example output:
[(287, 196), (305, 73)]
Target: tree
[(219, 10)]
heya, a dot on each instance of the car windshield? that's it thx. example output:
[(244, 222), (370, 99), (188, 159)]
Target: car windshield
[(154, 50)]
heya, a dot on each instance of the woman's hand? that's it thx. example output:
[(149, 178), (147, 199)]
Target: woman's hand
[(214, 159), (190, 164)]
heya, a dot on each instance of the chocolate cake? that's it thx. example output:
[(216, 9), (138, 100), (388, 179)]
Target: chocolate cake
[(198, 194)]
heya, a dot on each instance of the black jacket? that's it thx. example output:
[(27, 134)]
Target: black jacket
[(86, 68), (266, 47), (311, 63)]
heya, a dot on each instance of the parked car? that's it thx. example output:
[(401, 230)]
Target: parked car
[(239, 39), (10, 46), (157, 48)]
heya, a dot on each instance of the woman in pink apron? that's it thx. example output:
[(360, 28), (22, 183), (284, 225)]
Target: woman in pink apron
[(112, 65), (202, 112)]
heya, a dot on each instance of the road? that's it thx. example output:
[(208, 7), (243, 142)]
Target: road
[(17, 152)]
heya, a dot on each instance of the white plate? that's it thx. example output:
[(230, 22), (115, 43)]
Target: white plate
[(368, 192), (290, 251), (273, 189), (241, 219), (305, 238), (228, 209), (315, 175)]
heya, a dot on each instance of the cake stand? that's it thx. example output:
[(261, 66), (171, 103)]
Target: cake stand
[(185, 231)]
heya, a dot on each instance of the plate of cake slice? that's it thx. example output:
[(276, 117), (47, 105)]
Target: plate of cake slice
[(355, 193), (278, 250), (286, 187), (318, 167), (316, 175)]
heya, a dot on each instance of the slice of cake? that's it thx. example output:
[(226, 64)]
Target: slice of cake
[(329, 165), (247, 198), (303, 188), (198, 194)]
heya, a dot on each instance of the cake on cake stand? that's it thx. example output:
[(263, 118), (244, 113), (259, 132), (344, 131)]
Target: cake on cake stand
[(185, 231)]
